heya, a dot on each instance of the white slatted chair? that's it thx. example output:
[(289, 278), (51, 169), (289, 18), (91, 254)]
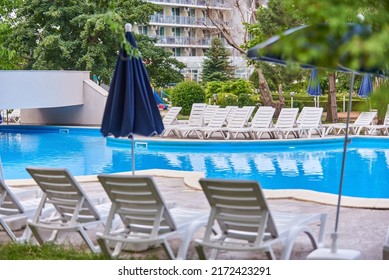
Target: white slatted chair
[(170, 120), (145, 217), (210, 110), (308, 122), (286, 120), (238, 120), (74, 210), (215, 125), (364, 119), (246, 223), (380, 129), (14, 212), (262, 119), (232, 110), (196, 119)]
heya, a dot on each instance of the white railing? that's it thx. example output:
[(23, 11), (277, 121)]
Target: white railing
[(180, 20), (199, 3)]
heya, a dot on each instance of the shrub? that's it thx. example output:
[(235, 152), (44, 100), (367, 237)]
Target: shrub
[(213, 88), (226, 99), (185, 94)]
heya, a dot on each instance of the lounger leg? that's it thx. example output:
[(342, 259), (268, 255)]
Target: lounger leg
[(36, 234), (168, 250), (84, 235), (270, 254), (200, 252), (104, 247), (8, 230)]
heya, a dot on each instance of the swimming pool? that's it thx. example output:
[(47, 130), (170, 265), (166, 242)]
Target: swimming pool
[(293, 164)]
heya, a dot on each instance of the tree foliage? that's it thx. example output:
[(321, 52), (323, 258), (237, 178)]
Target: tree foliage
[(75, 34), (216, 65)]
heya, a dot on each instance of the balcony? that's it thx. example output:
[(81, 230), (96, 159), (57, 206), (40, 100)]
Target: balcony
[(171, 41), (193, 3), (180, 20)]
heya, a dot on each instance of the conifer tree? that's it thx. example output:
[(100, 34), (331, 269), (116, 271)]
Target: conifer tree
[(217, 66)]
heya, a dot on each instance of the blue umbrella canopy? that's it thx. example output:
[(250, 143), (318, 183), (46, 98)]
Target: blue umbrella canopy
[(131, 107), (314, 88), (366, 86)]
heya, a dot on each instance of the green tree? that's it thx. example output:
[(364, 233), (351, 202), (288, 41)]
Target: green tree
[(216, 65), (76, 35)]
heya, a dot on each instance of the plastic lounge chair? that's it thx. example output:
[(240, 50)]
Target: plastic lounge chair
[(210, 110), (247, 224), (286, 120), (308, 122), (145, 216), (231, 113), (238, 120), (14, 212), (196, 119), (263, 118), (73, 209), (169, 120), (382, 129), (215, 124), (364, 119)]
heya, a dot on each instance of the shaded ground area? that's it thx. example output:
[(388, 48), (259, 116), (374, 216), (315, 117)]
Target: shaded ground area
[(360, 229)]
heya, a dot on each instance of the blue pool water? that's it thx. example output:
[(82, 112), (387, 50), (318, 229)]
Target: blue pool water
[(295, 164)]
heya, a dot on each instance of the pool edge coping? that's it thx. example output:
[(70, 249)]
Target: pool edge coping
[(191, 180)]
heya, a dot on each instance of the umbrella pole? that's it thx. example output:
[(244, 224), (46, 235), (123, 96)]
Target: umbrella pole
[(334, 253), (133, 155)]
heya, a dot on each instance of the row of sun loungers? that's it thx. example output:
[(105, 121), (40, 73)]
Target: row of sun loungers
[(137, 218), (206, 121)]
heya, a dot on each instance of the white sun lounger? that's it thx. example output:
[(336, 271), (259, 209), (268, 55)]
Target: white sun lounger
[(262, 119), (286, 120), (364, 119), (308, 123), (74, 210), (196, 119), (247, 224), (381, 129), (146, 219)]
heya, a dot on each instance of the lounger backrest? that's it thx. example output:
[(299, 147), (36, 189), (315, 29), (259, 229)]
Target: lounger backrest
[(240, 209), (239, 118), (386, 120), (62, 191), (138, 203), (210, 110), (196, 117), (310, 117), (9, 204), (231, 113), (251, 108), (365, 118), (171, 116), (219, 118), (287, 118), (263, 118)]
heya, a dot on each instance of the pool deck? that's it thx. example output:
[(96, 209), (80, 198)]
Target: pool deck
[(362, 229)]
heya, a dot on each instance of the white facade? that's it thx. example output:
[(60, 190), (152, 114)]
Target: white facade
[(184, 28)]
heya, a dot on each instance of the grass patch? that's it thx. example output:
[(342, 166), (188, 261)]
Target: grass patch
[(27, 251), (15, 251)]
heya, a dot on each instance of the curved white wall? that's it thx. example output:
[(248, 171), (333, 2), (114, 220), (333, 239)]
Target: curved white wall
[(53, 97)]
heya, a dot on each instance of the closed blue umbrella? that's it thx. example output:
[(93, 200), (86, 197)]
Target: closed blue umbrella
[(314, 88), (366, 86), (131, 107)]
